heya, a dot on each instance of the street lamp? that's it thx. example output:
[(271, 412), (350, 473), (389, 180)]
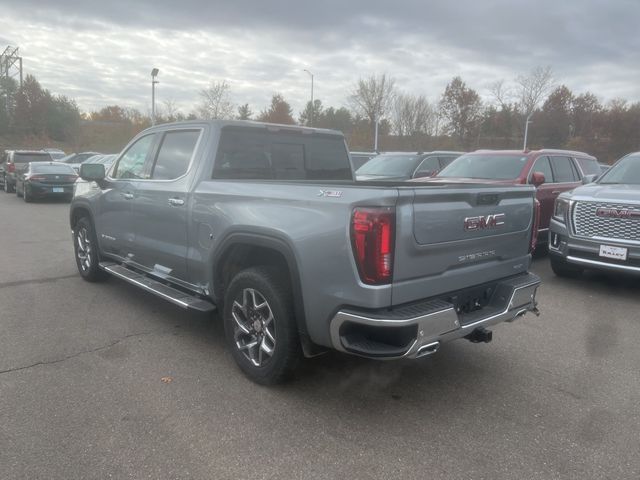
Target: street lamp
[(526, 131), (154, 74), (312, 107)]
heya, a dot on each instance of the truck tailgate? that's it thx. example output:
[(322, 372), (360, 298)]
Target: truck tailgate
[(455, 236)]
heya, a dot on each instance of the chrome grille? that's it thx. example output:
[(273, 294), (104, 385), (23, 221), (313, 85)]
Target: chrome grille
[(587, 224)]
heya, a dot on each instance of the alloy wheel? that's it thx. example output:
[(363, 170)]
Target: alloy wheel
[(254, 327), (83, 249)]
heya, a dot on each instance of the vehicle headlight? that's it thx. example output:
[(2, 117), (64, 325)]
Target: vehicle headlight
[(560, 209)]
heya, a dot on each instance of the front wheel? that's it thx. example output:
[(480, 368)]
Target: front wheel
[(564, 269), (18, 192), (260, 326), (86, 251)]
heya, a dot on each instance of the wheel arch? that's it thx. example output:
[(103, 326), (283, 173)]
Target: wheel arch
[(240, 250)]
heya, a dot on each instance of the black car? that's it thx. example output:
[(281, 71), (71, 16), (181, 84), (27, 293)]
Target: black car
[(405, 165), (45, 179), (360, 158), (16, 161)]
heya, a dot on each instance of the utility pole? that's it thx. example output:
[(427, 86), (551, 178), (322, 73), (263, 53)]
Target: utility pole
[(154, 74), (312, 106), (375, 141), (526, 131)]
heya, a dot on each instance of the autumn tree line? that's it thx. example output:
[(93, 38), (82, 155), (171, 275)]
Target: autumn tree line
[(461, 119)]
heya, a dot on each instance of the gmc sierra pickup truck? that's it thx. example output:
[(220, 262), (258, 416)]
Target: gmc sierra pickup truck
[(265, 224)]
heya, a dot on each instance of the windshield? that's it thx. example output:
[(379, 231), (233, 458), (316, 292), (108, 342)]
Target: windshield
[(30, 157), (626, 171), (390, 166), (485, 166)]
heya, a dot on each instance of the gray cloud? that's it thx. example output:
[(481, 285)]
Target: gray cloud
[(102, 52)]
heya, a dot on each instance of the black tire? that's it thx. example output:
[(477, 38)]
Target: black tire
[(274, 289), (26, 195), (84, 234), (563, 269), (18, 193), (8, 188)]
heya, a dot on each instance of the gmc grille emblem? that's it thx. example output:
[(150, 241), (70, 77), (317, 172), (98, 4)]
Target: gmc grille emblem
[(617, 213), (483, 222)]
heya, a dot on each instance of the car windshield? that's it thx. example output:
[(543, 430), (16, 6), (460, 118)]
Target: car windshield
[(390, 166), (30, 157), (485, 166), (53, 169), (626, 171)]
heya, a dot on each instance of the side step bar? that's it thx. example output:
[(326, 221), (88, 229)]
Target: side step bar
[(175, 296)]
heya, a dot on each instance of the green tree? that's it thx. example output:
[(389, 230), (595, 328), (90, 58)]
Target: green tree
[(32, 103), (311, 115), (244, 112), (63, 119), (555, 122), (278, 112)]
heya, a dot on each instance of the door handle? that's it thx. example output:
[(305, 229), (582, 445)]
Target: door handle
[(128, 196), (176, 202)]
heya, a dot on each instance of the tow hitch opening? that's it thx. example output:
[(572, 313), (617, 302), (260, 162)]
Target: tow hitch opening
[(480, 335)]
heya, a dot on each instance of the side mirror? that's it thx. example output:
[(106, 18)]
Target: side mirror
[(537, 179), (92, 172), (589, 179)]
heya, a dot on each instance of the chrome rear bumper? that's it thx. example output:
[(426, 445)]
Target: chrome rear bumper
[(418, 329)]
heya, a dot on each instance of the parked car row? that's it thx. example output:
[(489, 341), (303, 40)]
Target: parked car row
[(33, 174)]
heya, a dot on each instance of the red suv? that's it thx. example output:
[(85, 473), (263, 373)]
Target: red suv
[(551, 171)]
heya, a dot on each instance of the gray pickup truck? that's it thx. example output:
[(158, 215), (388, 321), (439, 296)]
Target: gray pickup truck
[(266, 224), (597, 225)]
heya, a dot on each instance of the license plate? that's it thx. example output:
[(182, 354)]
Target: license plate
[(58, 190), (617, 253)]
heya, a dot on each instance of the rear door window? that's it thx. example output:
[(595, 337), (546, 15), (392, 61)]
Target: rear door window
[(543, 166), (258, 154), (563, 170), (174, 154)]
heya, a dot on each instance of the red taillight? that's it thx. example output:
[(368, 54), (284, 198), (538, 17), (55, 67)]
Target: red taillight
[(11, 167), (71, 178), (37, 178), (372, 237), (535, 226)]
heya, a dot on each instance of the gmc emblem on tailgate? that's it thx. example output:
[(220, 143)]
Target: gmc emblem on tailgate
[(484, 221), (617, 213)]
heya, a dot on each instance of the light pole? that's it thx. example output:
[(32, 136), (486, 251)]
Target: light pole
[(526, 131), (154, 74), (375, 137), (312, 107)]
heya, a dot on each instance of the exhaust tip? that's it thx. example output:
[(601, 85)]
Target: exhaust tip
[(428, 349)]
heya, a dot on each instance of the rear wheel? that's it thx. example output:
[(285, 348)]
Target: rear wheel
[(7, 187), (26, 195), (563, 269), (259, 325), (18, 192), (86, 251)]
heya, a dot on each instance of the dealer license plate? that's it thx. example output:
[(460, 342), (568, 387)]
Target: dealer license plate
[(58, 190), (617, 253)]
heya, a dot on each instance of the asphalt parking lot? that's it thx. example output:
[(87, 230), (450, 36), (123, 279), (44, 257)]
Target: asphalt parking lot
[(82, 394)]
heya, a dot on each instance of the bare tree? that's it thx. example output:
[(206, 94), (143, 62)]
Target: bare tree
[(532, 88), (501, 93), (215, 102), (170, 110), (412, 114), (372, 97)]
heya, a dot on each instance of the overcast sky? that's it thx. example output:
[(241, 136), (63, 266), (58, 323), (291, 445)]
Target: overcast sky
[(102, 52)]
